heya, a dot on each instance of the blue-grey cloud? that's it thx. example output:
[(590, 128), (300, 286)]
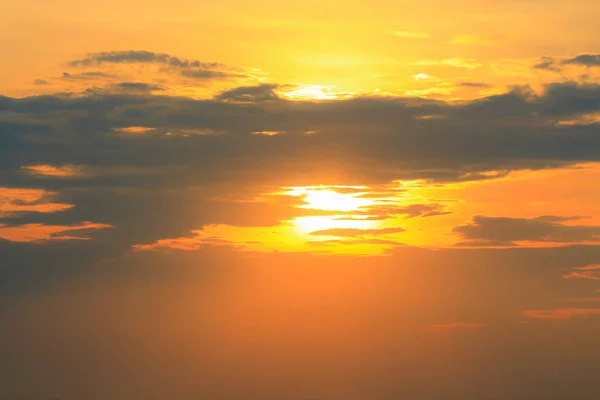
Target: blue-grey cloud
[(556, 64), (505, 231), (188, 68)]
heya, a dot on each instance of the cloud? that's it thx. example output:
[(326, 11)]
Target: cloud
[(42, 233), (189, 68), (586, 60), (562, 313), (381, 131), (203, 74), (351, 232), (143, 57), (504, 231), (63, 171), (381, 212), (475, 84), (250, 94), (557, 64), (32, 204), (15, 201), (548, 63), (86, 75), (138, 87), (142, 152), (590, 272)]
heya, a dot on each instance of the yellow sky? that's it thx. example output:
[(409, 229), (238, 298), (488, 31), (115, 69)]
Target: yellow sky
[(347, 46)]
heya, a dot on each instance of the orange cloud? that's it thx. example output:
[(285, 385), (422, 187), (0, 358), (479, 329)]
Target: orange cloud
[(588, 273), (43, 233), (28, 200), (185, 243), (64, 171), (562, 313), (583, 300)]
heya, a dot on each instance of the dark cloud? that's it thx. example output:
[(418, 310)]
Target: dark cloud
[(188, 68), (143, 57), (163, 183), (500, 133), (475, 84), (548, 63), (504, 231), (40, 82), (556, 64), (250, 94), (138, 86), (86, 75), (587, 60), (204, 74)]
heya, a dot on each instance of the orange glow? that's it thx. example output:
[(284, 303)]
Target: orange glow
[(64, 171), (328, 199), (44, 233)]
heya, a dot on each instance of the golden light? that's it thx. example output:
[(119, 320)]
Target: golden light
[(306, 225), (330, 200), (312, 92)]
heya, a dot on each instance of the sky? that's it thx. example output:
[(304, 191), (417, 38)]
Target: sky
[(300, 200)]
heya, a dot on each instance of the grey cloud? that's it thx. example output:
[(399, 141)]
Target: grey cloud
[(367, 140), (188, 68), (250, 94), (587, 60), (501, 133), (138, 86), (205, 74), (141, 56), (547, 63), (504, 231), (86, 75), (475, 84), (556, 64)]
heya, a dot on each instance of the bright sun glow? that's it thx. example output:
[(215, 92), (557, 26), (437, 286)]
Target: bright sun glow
[(312, 92), (327, 199), (306, 225), (330, 200)]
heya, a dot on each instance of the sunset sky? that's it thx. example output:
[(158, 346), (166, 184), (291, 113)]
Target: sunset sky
[(300, 200)]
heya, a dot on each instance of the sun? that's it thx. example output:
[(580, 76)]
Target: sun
[(342, 203), (333, 201), (312, 92), (327, 199)]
